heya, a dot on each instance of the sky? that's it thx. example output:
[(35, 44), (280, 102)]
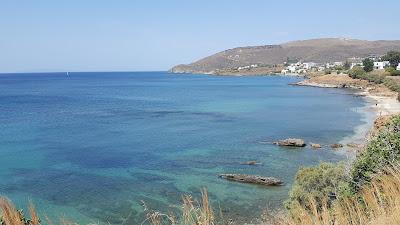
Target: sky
[(154, 35)]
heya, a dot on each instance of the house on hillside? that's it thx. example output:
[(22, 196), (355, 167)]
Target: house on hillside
[(291, 68), (381, 65), (374, 57), (308, 65), (321, 68), (398, 67), (338, 63), (356, 64)]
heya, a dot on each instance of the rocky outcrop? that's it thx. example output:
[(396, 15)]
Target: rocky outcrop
[(336, 146), (291, 142), (315, 145), (252, 179)]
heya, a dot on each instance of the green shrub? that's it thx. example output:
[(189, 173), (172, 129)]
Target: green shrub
[(320, 182), (381, 151), (395, 73), (390, 70), (375, 78), (332, 181), (393, 57), (357, 72), (368, 65), (392, 84), (328, 71)]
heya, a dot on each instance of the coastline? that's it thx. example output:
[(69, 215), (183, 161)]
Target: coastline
[(381, 103)]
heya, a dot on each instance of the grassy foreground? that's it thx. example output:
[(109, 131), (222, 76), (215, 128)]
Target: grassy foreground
[(365, 192)]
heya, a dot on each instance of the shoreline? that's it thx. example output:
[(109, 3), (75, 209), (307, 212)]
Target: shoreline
[(380, 102)]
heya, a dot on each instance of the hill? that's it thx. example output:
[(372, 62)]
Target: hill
[(267, 56)]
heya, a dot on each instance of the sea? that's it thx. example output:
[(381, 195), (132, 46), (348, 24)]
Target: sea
[(112, 147)]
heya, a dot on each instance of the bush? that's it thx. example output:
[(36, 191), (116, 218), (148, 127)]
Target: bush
[(390, 70), (395, 73), (328, 71), (357, 72), (375, 78), (392, 84), (368, 65), (383, 150), (333, 182), (393, 57), (317, 183)]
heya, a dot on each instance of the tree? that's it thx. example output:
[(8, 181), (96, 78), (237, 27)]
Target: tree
[(368, 65), (347, 65), (393, 57)]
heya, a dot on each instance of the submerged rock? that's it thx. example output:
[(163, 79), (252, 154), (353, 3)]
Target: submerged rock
[(291, 142), (251, 163), (337, 145), (252, 179), (315, 145)]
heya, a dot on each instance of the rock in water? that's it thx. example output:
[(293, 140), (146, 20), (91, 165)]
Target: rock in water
[(291, 142), (250, 163), (252, 179), (314, 145), (337, 146)]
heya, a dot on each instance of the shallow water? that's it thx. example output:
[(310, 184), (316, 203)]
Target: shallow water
[(94, 146)]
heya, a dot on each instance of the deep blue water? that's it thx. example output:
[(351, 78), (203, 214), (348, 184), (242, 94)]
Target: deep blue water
[(92, 146)]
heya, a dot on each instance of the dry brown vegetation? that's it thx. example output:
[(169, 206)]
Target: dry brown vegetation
[(193, 212), (378, 204)]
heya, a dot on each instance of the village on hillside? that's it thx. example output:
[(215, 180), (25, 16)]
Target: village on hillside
[(300, 67)]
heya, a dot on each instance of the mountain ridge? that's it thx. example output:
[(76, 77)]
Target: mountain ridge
[(320, 50)]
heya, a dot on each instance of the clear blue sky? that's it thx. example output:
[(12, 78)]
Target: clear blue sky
[(128, 35)]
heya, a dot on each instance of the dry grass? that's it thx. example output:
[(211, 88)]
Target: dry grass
[(10, 215), (193, 213), (377, 204)]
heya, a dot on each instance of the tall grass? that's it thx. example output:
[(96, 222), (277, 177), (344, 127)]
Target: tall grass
[(192, 213), (377, 204), (11, 216)]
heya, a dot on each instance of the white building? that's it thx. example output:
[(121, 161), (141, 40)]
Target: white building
[(309, 65), (338, 63), (291, 68), (398, 67), (381, 65)]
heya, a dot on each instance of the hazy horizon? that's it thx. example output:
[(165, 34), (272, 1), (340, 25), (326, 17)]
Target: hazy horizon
[(48, 36)]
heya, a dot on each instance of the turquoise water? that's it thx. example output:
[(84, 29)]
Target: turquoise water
[(94, 146)]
